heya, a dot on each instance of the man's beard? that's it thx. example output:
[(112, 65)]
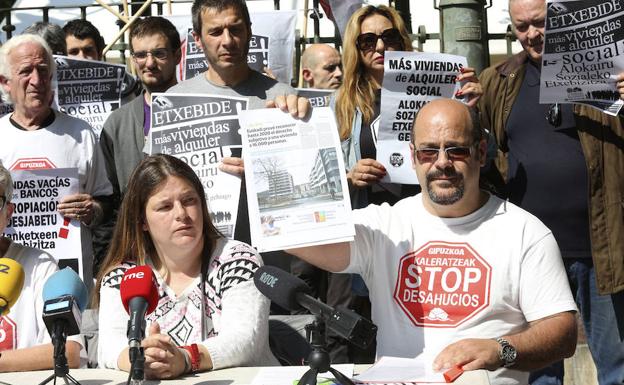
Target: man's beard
[(453, 196)]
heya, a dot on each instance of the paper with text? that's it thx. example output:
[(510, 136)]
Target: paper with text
[(296, 180)]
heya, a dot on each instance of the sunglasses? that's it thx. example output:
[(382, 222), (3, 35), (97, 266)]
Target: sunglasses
[(391, 38), (553, 115), (158, 53), (430, 155)]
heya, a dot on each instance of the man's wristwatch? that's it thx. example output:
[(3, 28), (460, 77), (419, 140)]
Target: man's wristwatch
[(507, 353)]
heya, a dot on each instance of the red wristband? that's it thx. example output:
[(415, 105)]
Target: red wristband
[(193, 351)]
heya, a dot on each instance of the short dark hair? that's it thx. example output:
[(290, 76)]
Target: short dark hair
[(53, 34), (219, 5), (155, 25), (83, 29)]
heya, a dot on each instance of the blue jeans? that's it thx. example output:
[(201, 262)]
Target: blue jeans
[(603, 319)]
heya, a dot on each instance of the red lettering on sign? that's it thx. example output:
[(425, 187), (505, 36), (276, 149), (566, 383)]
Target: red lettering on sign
[(8, 334), (442, 284), (32, 164)]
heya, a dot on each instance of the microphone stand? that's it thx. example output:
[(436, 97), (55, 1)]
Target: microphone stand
[(318, 359), (61, 369), (137, 364)]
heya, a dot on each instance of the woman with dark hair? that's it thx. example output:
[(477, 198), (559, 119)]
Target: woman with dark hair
[(207, 304), (370, 32)]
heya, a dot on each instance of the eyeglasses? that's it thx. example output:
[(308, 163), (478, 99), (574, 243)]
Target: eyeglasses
[(553, 115), (391, 37), (430, 155), (158, 53)]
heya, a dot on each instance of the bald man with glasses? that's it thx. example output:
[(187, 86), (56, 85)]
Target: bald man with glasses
[(455, 273)]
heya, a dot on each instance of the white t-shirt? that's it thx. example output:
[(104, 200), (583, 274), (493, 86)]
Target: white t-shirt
[(434, 281), (67, 143), (225, 313), (23, 327)]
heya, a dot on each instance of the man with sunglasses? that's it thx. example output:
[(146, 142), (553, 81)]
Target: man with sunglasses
[(563, 163), (455, 273)]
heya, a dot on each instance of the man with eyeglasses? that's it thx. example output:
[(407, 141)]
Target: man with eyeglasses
[(454, 273), (563, 163), (155, 50)]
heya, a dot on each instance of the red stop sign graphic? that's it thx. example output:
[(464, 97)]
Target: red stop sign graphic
[(8, 334), (442, 284)]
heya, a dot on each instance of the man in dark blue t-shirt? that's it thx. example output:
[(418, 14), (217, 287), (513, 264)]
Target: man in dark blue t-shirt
[(552, 166)]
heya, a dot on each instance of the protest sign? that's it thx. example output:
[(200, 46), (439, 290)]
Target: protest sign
[(193, 58), (201, 130), (411, 80), (317, 98), (583, 53), (296, 182), (271, 45), (36, 221), (87, 89)]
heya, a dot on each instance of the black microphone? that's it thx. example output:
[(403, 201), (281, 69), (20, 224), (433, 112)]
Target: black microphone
[(290, 292)]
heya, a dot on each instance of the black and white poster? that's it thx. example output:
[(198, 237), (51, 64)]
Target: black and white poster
[(317, 98), (87, 89), (583, 53), (201, 130), (411, 80)]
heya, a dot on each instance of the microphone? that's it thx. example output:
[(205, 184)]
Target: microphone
[(290, 292), (11, 283), (65, 297), (139, 295)]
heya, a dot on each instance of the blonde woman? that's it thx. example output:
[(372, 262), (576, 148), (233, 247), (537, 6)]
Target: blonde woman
[(372, 31)]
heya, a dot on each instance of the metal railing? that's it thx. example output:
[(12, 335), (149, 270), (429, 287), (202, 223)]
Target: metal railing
[(421, 36)]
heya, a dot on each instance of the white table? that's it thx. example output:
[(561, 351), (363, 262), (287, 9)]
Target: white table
[(232, 376)]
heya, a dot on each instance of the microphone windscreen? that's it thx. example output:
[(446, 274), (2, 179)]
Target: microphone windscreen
[(139, 281), (11, 283), (280, 286), (66, 282)]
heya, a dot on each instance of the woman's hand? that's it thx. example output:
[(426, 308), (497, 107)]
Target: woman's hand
[(163, 360), (366, 172), (471, 88)]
